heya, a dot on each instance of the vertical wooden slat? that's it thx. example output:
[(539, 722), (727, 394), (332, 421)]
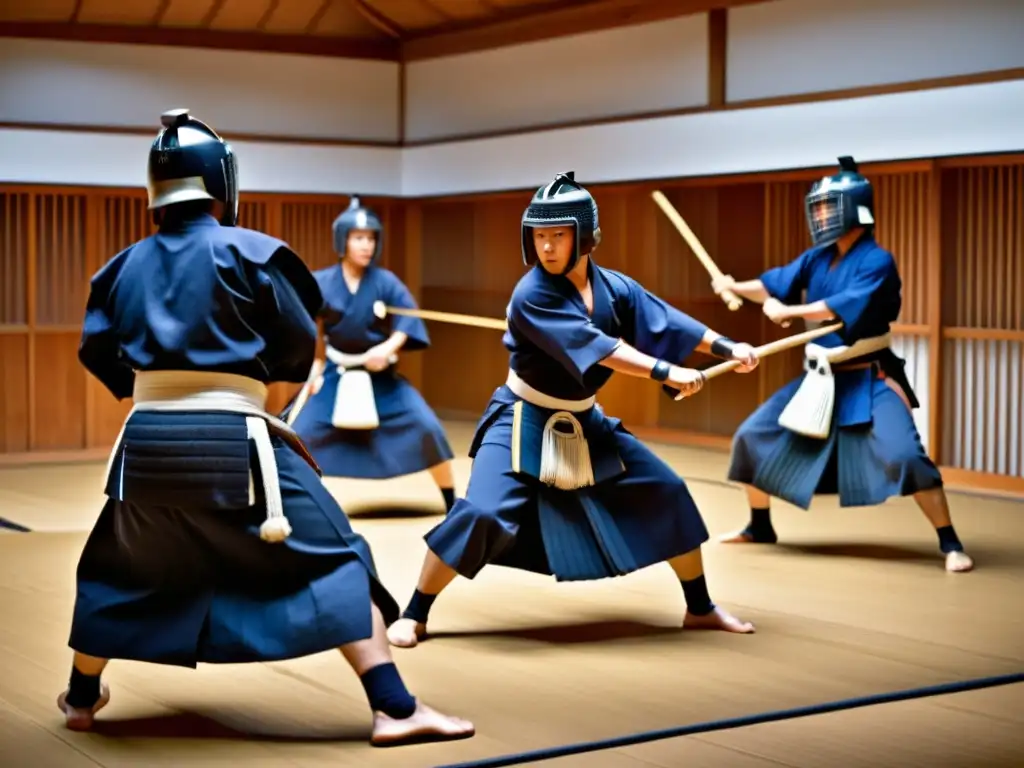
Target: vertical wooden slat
[(412, 263), (30, 312), (933, 279)]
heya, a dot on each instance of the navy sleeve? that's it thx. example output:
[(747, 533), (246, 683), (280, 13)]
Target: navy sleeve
[(561, 331), (874, 288), (100, 349), (786, 283), (288, 313), (659, 329)]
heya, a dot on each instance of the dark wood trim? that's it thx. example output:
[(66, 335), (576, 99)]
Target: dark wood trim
[(377, 19), (136, 130), (994, 76), (140, 192), (306, 45), (268, 14), (718, 35), (676, 182), (528, 25), (211, 14), (402, 98), (158, 15), (987, 160), (318, 16)]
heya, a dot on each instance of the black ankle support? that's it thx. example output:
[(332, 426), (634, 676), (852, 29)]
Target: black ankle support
[(449, 498), (698, 601), (948, 540), (419, 607), (760, 528), (83, 690), (387, 693)]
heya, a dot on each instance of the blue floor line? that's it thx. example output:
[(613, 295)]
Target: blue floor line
[(740, 722)]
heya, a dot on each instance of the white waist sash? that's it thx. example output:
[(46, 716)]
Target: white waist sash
[(523, 390), (809, 411), (344, 360), (203, 391)]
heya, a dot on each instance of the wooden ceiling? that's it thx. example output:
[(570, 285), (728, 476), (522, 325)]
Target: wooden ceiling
[(386, 29)]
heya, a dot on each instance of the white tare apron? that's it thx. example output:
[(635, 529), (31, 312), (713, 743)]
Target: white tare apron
[(565, 456), (355, 407), (809, 411)]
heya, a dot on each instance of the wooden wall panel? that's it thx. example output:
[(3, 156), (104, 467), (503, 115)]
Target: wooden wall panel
[(60, 416), (901, 210), (984, 411), (955, 226), (983, 318), (471, 260), (729, 222), (52, 240), (983, 247), (14, 387), (254, 214), (61, 269), (629, 219), (785, 238), (13, 258)]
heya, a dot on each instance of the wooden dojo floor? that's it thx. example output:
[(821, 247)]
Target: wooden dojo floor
[(855, 603)]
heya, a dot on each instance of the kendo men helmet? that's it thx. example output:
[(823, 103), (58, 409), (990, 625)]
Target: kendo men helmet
[(563, 202), (357, 216), (836, 204), (189, 161)]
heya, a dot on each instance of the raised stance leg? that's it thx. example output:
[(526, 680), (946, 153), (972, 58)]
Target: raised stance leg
[(701, 613), (397, 716), (760, 529), (479, 528), (86, 694), (444, 477), (936, 508), (412, 626)]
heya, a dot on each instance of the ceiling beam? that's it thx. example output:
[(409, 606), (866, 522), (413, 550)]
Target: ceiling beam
[(268, 14), (347, 48), (212, 13), (377, 19), (561, 21), (158, 16)]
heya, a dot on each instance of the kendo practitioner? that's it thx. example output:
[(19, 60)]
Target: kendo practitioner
[(364, 419), (218, 543), (846, 426), (557, 487)]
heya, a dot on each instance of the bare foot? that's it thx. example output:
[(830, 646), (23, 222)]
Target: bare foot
[(747, 537), (719, 618), (959, 562), (426, 724), (81, 718), (406, 633)]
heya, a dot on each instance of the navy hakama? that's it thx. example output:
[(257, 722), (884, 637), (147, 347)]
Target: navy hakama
[(410, 437), (873, 450), (175, 570), (638, 511)]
